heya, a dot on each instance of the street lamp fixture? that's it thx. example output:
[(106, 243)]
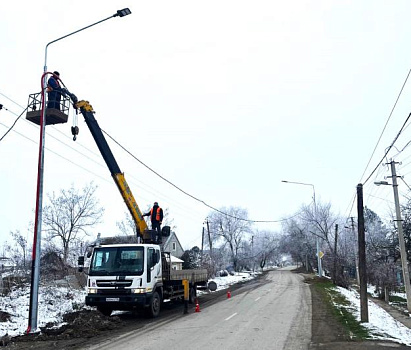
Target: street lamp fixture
[(379, 183), (35, 271), (305, 184), (123, 12)]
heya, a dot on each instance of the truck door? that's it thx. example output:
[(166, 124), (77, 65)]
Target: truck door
[(153, 266), (150, 261)]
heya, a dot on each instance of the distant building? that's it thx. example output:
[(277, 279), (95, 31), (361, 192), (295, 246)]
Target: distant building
[(176, 263), (173, 245), (6, 264)]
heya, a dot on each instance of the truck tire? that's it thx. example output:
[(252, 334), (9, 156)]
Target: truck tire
[(153, 309), (104, 310), (192, 296)]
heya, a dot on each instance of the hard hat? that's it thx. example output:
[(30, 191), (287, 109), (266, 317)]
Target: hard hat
[(56, 73)]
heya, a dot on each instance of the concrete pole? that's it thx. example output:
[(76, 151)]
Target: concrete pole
[(320, 272), (404, 260)]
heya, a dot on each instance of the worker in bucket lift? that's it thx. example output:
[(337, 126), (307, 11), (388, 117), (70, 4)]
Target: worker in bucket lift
[(54, 91), (156, 216)]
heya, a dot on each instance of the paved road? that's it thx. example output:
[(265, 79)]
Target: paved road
[(274, 315)]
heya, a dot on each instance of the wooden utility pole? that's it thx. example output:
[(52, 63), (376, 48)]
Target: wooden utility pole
[(202, 246), (335, 255), (202, 241), (209, 237), (361, 256)]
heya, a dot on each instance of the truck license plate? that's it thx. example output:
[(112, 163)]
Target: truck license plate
[(112, 299)]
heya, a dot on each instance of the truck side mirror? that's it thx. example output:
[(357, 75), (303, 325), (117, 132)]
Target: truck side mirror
[(80, 263)]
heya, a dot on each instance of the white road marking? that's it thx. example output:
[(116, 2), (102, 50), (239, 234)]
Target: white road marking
[(230, 316), (257, 299)]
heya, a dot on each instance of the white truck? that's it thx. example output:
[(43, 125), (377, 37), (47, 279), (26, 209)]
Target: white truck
[(137, 276)]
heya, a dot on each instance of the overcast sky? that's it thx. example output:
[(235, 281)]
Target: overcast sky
[(223, 98)]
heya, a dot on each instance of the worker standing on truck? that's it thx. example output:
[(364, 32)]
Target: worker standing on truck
[(156, 216)]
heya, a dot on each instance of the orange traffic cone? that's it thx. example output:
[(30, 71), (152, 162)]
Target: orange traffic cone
[(228, 294), (197, 306)]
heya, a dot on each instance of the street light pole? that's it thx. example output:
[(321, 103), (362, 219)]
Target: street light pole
[(315, 213), (35, 269)]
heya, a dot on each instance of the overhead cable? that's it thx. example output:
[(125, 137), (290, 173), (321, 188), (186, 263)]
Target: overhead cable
[(389, 117), (1, 139), (388, 149), (188, 194)]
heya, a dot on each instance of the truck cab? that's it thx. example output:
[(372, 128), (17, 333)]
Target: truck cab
[(125, 277)]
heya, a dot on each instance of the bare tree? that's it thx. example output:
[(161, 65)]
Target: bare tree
[(320, 221), (230, 228), (20, 252), (382, 252), (265, 247), (299, 242), (69, 215)]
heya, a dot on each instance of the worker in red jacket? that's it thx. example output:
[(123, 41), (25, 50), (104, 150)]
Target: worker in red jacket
[(156, 216)]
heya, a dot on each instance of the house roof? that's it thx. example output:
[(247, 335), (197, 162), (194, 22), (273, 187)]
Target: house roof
[(175, 259), (169, 239)]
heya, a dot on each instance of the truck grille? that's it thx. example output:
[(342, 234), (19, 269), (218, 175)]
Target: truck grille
[(113, 283)]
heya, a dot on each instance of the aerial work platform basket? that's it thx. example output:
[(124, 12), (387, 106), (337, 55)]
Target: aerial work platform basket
[(53, 115)]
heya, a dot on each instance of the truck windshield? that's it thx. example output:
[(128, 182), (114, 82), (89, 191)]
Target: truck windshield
[(119, 261)]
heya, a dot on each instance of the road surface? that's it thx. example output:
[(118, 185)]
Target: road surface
[(274, 315)]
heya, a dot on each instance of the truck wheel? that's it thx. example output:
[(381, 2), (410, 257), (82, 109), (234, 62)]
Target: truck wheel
[(192, 295), (105, 310), (154, 307)]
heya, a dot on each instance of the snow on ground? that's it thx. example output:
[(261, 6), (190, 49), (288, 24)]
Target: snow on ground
[(53, 303), (381, 324), (227, 281)]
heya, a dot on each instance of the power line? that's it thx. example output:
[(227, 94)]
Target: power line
[(388, 149), (1, 139), (389, 117), (188, 194), (146, 166)]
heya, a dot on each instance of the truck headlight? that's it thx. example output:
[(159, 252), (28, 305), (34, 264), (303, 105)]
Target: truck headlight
[(92, 291), (138, 290)]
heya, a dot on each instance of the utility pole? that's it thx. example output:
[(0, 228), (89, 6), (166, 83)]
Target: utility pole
[(209, 237), (252, 253), (355, 251), (202, 246), (404, 260), (320, 271), (335, 254), (361, 256), (202, 241)]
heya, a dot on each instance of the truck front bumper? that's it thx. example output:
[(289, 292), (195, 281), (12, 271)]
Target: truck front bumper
[(118, 302)]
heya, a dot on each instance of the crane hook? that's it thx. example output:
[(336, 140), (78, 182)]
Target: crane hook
[(74, 132)]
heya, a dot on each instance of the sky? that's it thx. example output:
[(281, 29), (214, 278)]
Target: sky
[(224, 100)]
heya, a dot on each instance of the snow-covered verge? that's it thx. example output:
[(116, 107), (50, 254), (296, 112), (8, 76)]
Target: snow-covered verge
[(381, 324), (227, 281), (53, 303)]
